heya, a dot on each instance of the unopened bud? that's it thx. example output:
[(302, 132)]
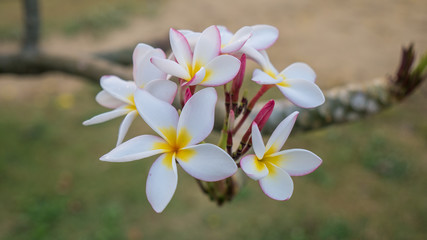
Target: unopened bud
[(187, 95), (263, 115), (238, 80)]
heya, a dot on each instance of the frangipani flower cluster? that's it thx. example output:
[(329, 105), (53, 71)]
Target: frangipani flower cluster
[(204, 60)]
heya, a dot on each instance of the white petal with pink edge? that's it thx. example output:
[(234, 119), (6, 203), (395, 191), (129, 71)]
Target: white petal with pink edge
[(159, 115), (120, 89), (197, 116), (298, 162), (237, 41), (103, 117), (124, 126), (263, 78), (277, 185), (197, 78), (221, 70), (144, 71), (255, 55), (206, 162), (162, 89), (180, 48), (192, 37), (263, 36), (303, 93), (161, 182), (140, 52), (254, 168), (136, 148), (207, 47), (225, 34), (257, 142), (281, 133), (299, 71), (107, 100), (171, 67)]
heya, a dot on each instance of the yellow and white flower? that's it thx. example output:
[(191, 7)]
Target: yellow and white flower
[(178, 142), (118, 94), (273, 168)]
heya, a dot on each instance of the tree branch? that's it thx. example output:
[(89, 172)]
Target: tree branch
[(89, 68)]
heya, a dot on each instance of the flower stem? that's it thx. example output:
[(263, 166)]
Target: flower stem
[(251, 104)]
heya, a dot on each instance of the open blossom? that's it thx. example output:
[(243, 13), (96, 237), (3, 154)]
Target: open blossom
[(205, 66), (256, 37), (178, 142), (118, 94), (296, 82), (273, 168)]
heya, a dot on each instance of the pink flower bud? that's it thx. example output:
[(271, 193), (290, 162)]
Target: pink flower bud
[(187, 95), (263, 115), (238, 80)]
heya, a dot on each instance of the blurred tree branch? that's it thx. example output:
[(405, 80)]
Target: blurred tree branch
[(343, 104)]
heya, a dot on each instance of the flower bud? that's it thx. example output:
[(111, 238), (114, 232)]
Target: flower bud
[(263, 115)]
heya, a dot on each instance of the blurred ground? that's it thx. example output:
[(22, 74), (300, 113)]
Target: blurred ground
[(372, 182)]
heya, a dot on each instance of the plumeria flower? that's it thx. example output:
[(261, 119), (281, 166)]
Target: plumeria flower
[(118, 94), (296, 82), (178, 142), (272, 167), (257, 37), (205, 66)]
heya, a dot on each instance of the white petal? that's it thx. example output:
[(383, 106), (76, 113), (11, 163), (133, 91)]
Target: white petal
[(161, 182), (299, 71), (197, 78), (140, 51), (221, 70), (103, 117), (206, 162), (136, 148), (197, 117), (107, 100), (281, 133), (237, 41), (263, 36), (277, 184), (162, 89), (171, 67), (303, 93), (257, 142), (208, 47), (254, 168), (124, 126), (120, 89), (254, 54), (192, 37), (161, 116), (262, 78), (144, 71), (298, 162), (180, 48), (225, 34)]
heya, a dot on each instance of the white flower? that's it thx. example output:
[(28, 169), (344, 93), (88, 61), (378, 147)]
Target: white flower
[(178, 141), (296, 82), (273, 168), (205, 66), (118, 94)]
